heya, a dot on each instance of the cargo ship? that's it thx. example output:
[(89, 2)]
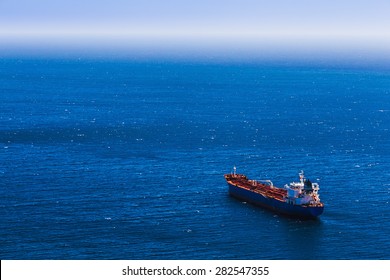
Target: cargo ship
[(297, 199)]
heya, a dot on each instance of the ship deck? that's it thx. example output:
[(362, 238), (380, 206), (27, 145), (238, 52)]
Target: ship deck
[(242, 181)]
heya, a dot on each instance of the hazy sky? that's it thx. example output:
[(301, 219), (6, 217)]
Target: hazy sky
[(241, 24)]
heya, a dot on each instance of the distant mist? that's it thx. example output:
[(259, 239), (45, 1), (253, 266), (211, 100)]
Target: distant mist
[(218, 30), (204, 47)]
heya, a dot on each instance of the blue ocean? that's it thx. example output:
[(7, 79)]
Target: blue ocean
[(124, 159)]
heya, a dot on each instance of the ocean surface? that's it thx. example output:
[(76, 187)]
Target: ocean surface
[(121, 159)]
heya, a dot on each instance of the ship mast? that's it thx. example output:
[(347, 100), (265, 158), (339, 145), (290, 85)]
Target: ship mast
[(301, 176)]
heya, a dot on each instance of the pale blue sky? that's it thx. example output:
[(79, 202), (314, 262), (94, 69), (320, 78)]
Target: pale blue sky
[(243, 24)]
